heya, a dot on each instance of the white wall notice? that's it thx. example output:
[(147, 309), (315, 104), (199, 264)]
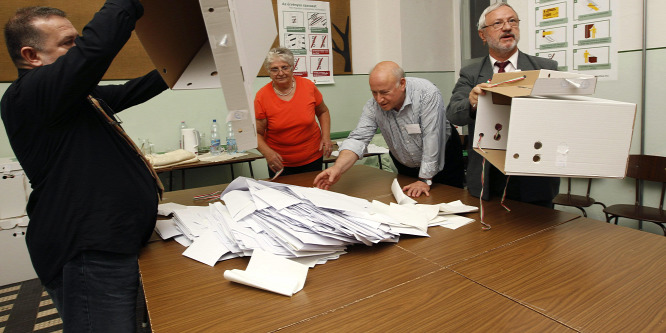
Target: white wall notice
[(579, 34), (305, 29)]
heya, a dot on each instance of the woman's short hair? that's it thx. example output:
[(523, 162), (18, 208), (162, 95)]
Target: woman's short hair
[(279, 53)]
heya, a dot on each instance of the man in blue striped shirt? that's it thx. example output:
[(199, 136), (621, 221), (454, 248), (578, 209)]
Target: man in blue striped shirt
[(411, 115)]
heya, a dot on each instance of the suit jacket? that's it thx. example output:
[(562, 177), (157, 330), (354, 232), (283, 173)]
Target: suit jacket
[(459, 112)]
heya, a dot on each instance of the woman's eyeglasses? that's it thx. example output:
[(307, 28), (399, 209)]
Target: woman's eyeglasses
[(275, 70)]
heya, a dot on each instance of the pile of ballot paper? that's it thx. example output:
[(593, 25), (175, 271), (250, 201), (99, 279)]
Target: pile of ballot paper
[(309, 225)]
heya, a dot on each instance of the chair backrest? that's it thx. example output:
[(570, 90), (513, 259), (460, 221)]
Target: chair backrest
[(650, 168), (647, 167)]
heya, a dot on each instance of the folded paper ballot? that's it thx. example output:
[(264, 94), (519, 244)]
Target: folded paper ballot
[(456, 207), (400, 197), (167, 229), (450, 221), (166, 209), (270, 272)]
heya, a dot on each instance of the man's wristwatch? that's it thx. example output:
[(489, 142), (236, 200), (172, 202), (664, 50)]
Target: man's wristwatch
[(427, 181)]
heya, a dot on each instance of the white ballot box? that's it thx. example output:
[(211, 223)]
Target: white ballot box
[(15, 265), (538, 123), (14, 189), (201, 44)]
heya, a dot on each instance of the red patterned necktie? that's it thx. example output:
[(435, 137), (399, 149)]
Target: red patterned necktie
[(502, 65), (129, 141)]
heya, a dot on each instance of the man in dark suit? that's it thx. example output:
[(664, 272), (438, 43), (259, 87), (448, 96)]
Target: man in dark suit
[(498, 27)]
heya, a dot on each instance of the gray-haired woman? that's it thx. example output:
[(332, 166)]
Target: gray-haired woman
[(288, 134)]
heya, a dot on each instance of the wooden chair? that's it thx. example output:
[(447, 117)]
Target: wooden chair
[(649, 168), (577, 201)]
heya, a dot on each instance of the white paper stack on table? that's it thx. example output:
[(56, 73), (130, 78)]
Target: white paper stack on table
[(308, 224)]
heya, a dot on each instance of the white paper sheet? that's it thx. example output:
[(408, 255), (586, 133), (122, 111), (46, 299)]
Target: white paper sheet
[(456, 207), (167, 209), (400, 197), (206, 249), (407, 215), (182, 240), (451, 221), (239, 204), (270, 272), (167, 229)]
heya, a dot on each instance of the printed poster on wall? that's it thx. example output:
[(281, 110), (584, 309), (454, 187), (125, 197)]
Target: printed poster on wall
[(305, 29), (581, 35)]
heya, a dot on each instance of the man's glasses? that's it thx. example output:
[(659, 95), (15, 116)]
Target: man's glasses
[(513, 22), (275, 70)]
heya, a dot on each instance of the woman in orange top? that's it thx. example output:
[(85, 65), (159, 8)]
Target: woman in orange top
[(288, 135)]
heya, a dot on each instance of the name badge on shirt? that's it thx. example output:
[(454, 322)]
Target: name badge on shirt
[(413, 129)]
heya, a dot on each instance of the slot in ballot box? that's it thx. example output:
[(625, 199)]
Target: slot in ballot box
[(15, 264), (538, 123), (202, 44)]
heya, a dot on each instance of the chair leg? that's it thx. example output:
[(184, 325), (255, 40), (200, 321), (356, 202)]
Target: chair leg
[(582, 210), (616, 218), (600, 203)]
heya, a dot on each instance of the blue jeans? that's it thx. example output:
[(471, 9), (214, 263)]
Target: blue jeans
[(96, 292)]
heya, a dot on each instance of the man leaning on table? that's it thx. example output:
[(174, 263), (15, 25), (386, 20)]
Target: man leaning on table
[(498, 26), (410, 113), (94, 199)]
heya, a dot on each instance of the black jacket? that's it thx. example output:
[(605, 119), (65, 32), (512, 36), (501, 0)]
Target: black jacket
[(91, 191)]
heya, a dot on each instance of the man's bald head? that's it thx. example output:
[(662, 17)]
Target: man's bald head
[(387, 83), (386, 68)]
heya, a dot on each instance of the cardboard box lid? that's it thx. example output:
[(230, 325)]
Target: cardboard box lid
[(182, 45), (496, 157), (172, 33), (542, 83), (200, 44)]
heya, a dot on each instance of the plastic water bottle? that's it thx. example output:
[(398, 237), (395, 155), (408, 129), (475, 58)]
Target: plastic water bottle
[(180, 134), (215, 147), (231, 139)]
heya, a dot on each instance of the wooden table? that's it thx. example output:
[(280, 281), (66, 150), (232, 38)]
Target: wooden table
[(537, 269), (249, 158)]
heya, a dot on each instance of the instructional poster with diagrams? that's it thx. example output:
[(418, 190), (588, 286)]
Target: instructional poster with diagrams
[(305, 29), (581, 35)]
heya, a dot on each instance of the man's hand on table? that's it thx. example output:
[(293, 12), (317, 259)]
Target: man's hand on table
[(417, 188)]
